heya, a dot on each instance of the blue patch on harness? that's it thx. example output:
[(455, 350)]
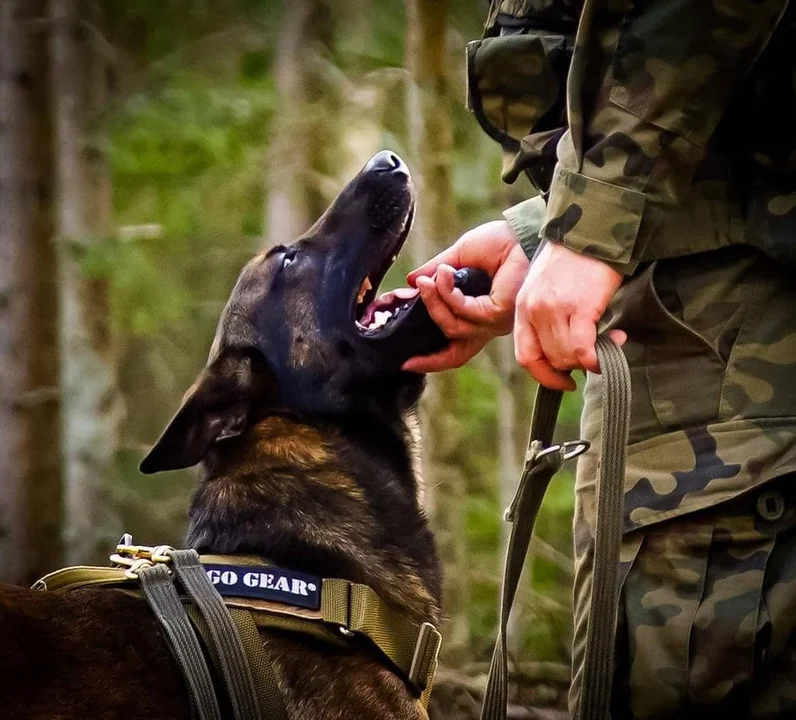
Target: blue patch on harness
[(262, 582)]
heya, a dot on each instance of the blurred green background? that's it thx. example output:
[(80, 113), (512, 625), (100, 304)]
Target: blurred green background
[(168, 141)]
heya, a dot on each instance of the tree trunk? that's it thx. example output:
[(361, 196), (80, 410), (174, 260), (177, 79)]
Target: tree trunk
[(430, 128), (509, 464), (91, 398), (287, 212), (30, 494)]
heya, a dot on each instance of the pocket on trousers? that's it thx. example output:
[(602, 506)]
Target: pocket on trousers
[(677, 374)]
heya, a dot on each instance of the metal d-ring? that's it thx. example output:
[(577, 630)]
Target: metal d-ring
[(571, 448)]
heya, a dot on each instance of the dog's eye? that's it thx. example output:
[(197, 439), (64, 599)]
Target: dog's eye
[(288, 258)]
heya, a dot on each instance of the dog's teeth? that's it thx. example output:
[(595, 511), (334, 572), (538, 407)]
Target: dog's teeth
[(366, 285), (380, 319), (394, 258)]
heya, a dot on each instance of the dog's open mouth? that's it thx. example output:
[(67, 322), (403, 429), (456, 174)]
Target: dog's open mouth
[(379, 315)]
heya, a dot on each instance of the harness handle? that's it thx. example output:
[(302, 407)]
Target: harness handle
[(542, 461)]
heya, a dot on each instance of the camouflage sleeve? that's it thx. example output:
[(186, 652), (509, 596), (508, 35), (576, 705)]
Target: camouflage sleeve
[(646, 90), (526, 220)]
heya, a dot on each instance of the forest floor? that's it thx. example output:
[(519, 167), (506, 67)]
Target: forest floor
[(458, 695)]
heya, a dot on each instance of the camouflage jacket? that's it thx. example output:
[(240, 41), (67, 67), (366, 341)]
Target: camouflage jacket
[(652, 130)]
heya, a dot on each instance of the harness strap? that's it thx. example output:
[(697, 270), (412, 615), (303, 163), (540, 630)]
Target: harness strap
[(269, 697), (542, 462), (224, 642), (346, 609), (413, 648), (162, 597)]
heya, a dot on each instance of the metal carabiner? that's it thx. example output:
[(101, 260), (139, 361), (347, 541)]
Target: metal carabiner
[(567, 451), (578, 447)]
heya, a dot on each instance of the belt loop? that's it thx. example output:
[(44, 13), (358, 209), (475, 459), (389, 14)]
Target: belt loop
[(336, 604)]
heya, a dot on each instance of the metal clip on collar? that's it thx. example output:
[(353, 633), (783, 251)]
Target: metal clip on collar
[(138, 557)]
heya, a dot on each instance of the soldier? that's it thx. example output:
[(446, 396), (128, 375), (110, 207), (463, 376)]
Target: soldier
[(661, 137)]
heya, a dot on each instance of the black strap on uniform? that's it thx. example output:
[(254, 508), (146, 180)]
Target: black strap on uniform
[(542, 461), (162, 597), (226, 646)]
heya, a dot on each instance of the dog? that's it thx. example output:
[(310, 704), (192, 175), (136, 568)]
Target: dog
[(304, 424)]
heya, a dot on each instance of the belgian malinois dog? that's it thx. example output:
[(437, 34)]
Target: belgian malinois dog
[(304, 424)]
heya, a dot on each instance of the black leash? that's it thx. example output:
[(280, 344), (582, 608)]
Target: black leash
[(542, 462)]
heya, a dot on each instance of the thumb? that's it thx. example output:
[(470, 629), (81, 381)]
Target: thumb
[(449, 256)]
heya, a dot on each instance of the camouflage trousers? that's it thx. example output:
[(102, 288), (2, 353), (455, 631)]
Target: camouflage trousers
[(708, 604)]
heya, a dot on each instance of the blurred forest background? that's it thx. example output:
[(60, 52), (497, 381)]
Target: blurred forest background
[(147, 149)]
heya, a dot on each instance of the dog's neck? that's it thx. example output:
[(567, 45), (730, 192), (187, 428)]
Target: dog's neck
[(330, 499)]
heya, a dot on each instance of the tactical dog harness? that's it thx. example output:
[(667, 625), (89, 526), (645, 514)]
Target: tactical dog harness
[(222, 602)]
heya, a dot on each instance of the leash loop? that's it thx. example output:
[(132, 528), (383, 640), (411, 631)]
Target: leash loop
[(225, 642), (162, 597), (156, 568), (543, 460)]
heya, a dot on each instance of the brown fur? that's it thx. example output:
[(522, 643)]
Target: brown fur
[(91, 654)]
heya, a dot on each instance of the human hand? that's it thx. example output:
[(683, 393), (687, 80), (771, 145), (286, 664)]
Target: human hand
[(561, 300), (470, 322)]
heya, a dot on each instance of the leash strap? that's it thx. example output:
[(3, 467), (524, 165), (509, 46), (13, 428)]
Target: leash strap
[(598, 664), (225, 643), (159, 591), (542, 462)]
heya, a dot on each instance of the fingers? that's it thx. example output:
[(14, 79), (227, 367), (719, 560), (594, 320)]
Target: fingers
[(452, 357), (441, 313), (618, 336), (530, 355), (476, 310), (554, 350), (449, 256), (485, 246), (583, 340), (553, 332)]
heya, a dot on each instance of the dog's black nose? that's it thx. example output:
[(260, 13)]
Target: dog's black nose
[(386, 162)]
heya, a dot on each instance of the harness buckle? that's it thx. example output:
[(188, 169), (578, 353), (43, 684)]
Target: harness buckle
[(424, 657)]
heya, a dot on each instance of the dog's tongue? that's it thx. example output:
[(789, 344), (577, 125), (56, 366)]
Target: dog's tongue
[(387, 301)]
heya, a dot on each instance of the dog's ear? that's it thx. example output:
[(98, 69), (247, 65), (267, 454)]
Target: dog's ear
[(218, 406)]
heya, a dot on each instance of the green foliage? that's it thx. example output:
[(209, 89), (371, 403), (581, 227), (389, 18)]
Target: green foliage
[(188, 159)]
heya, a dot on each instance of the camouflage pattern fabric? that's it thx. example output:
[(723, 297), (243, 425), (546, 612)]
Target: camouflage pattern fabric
[(712, 354), (677, 135), (672, 156), (706, 624)]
